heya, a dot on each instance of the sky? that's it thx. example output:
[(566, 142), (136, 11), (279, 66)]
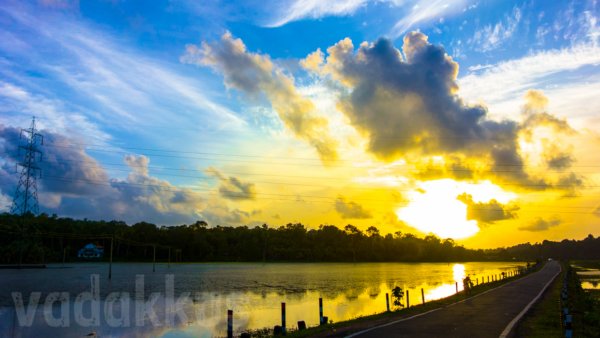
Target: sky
[(471, 120)]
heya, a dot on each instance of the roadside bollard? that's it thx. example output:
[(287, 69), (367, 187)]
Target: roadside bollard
[(321, 311), (387, 302), (229, 323), (283, 318)]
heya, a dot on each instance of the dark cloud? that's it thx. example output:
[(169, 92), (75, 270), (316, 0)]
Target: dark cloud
[(487, 212), (349, 209), (596, 211), (452, 166), (256, 75), (74, 184), (541, 224), (559, 161), (570, 184), (407, 105), (232, 187)]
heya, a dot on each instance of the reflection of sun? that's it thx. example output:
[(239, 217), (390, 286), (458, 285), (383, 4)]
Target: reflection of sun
[(435, 209), (458, 272)]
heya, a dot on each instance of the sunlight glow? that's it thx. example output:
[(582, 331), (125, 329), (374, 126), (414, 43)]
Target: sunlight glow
[(458, 272), (434, 207)]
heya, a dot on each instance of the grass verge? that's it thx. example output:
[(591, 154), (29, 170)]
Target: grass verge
[(544, 320)]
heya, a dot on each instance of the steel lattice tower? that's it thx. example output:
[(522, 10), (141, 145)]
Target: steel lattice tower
[(25, 199)]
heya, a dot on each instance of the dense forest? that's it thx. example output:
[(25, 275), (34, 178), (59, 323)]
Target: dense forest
[(44, 238)]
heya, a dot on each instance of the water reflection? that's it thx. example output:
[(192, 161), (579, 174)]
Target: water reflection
[(253, 291), (590, 284), (590, 278)]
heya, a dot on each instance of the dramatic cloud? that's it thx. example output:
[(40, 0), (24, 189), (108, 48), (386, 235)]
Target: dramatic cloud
[(541, 224), (142, 196), (487, 212), (349, 209), (232, 187), (255, 75), (406, 104), (74, 184), (65, 169)]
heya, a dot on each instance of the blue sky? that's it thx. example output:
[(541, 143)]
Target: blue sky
[(135, 78)]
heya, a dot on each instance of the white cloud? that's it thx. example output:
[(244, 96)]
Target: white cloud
[(490, 37), (412, 12), (301, 9), (62, 118), (106, 76), (502, 85), (425, 11), (5, 202)]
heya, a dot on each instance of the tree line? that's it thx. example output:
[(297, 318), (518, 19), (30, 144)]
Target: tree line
[(48, 238)]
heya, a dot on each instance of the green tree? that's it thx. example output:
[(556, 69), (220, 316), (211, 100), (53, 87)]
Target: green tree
[(397, 295)]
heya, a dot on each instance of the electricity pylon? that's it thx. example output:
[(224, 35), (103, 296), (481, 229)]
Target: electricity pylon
[(25, 199)]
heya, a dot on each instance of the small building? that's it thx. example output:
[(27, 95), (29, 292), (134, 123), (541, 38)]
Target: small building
[(91, 251)]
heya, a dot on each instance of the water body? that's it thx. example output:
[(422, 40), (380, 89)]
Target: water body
[(590, 278), (202, 294)]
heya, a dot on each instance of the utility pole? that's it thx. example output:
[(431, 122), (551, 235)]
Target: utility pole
[(25, 199)]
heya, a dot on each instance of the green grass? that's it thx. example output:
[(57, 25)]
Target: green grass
[(543, 320)]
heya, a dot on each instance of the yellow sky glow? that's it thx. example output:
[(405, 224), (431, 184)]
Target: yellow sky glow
[(434, 208)]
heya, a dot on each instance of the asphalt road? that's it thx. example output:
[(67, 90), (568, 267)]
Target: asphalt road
[(484, 315)]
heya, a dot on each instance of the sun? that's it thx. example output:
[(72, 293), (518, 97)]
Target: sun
[(434, 208)]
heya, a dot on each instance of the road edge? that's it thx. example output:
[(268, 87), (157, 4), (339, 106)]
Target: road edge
[(508, 329), (445, 306)]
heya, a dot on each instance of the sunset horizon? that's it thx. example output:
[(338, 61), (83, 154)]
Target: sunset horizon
[(439, 124)]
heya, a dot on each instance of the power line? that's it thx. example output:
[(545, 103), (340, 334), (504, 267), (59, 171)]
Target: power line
[(324, 199), (445, 169), (103, 148)]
